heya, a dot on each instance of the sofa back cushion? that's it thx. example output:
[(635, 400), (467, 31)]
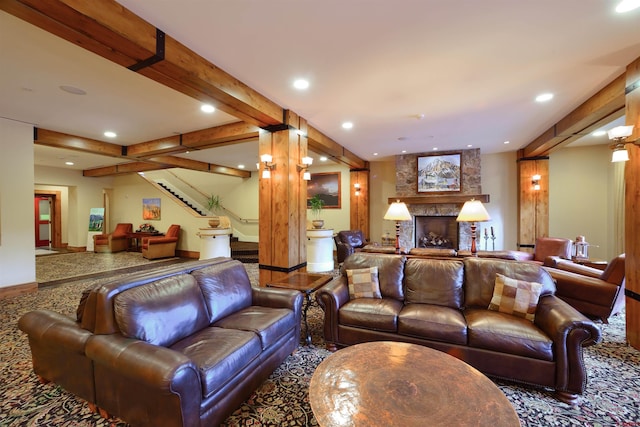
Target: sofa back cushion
[(434, 281), (161, 312), (390, 271), (480, 278), (226, 289)]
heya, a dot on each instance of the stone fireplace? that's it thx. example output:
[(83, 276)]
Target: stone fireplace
[(440, 232), (438, 205)]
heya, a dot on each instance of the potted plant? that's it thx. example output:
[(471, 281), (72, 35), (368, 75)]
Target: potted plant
[(316, 204), (214, 205)]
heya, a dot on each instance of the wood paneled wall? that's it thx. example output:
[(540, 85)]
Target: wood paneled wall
[(359, 203), (533, 209)]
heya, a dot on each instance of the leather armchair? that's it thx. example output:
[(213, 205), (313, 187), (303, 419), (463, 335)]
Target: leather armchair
[(347, 242), (113, 242), (161, 246), (594, 293), (551, 246)]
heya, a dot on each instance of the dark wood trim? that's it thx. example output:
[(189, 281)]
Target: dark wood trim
[(18, 290)]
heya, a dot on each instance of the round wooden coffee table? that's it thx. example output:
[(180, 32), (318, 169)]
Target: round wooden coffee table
[(400, 384)]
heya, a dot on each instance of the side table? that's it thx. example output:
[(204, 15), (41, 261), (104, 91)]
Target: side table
[(307, 283)]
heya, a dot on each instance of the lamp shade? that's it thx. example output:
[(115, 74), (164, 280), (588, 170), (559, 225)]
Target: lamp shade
[(398, 212), (619, 155), (620, 132), (473, 211)]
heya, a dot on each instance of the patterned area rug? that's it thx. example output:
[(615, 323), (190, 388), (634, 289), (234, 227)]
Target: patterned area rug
[(612, 397)]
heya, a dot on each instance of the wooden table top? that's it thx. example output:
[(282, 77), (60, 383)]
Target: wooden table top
[(303, 282), (399, 384)]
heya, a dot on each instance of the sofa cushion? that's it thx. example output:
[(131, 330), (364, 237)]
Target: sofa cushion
[(269, 323), (391, 265), (433, 322), (161, 312), (516, 297), (480, 278), (363, 283), (504, 333), (226, 288), (433, 281), (371, 313), (220, 354)]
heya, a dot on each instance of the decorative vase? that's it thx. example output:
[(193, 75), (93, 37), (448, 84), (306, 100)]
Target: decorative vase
[(317, 223), (214, 222)]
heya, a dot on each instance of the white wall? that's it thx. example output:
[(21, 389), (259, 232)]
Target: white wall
[(336, 219), (83, 193), (382, 185), (580, 197), (500, 182), (17, 232)]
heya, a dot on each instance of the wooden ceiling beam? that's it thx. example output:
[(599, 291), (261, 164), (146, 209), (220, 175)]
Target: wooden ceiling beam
[(607, 103), (123, 169), (71, 142), (179, 162), (117, 34)]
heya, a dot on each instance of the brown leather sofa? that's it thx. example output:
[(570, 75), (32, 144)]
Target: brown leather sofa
[(595, 293), (348, 242), (181, 346), (443, 304)]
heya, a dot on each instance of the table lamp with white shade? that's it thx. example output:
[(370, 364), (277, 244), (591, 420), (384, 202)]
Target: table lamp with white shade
[(398, 212), (473, 211)]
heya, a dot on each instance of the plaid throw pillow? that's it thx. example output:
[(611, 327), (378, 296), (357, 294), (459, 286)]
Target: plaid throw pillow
[(363, 283), (516, 297)]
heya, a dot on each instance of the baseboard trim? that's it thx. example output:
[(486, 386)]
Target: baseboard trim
[(188, 254), (17, 290)]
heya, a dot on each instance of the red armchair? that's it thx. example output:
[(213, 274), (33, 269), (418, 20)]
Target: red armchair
[(594, 293), (161, 246), (113, 242)]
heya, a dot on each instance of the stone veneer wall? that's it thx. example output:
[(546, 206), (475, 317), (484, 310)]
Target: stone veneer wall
[(406, 186)]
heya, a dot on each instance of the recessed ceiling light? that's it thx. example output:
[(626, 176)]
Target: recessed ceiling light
[(375, 154), (435, 148), (544, 97), (301, 84), (207, 108), (627, 5), (404, 151), (73, 90), (469, 145), (68, 163), (323, 159), (599, 133), (141, 173), (240, 166), (506, 142), (110, 134), (347, 125)]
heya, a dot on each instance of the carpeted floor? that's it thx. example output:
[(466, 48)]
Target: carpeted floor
[(612, 397)]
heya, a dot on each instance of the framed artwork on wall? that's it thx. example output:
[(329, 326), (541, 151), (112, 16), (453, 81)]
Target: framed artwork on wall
[(327, 186), (439, 173), (151, 209)]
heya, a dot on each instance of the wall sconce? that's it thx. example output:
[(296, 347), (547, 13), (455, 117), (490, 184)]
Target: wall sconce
[(535, 181), (267, 159), (357, 187), (306, 162), (618, 135)]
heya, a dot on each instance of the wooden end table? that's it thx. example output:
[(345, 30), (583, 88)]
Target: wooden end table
[(306, 283), (400, 384)]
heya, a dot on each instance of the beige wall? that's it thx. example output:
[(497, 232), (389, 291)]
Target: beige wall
[(580, 197), (336, 219), (382, 185), (17, 232)]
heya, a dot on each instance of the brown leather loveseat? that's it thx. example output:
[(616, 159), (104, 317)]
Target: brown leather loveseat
[(180, 346), (444, 304)]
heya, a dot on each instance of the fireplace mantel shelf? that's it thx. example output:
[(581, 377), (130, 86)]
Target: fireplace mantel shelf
[(440, 199)]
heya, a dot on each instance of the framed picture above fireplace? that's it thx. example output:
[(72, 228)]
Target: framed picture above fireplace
[(439, 173)]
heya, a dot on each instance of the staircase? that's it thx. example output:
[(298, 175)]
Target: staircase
[(245, 252), (182, 198)]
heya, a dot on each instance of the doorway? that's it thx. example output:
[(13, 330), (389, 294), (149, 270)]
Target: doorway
[(43, 214), (48, 231)]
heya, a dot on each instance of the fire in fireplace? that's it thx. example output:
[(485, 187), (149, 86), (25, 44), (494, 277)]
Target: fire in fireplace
[(436, 232)]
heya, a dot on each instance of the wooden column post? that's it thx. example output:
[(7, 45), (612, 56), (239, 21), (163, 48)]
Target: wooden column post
[(283, 200), (632, 205), (359, 201), (533, 205)]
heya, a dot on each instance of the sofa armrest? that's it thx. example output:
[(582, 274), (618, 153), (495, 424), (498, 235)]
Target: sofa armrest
[(54, 329), (566, 265), (159, 240), (132, 376), (331, 297), (570, 331), (280, 298), (583, 288)]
